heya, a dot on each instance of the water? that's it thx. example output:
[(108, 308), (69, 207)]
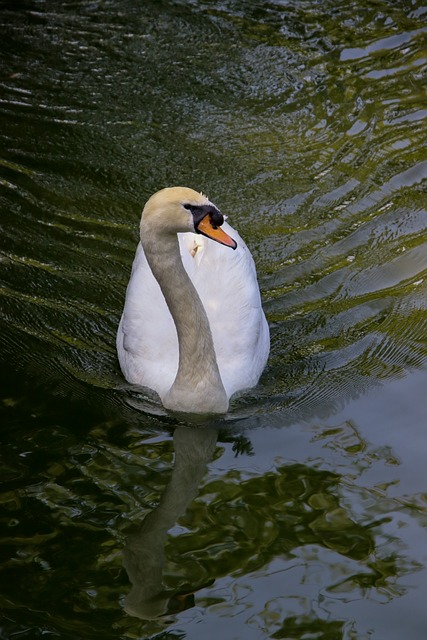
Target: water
[(303, 514)]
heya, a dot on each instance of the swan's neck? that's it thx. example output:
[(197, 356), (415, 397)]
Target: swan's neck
[(198, 386)]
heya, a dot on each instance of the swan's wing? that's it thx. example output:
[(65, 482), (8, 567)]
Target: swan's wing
[(147, 344), (227, 284)]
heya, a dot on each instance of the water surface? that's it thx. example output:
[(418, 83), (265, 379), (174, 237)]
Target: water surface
[(302, 514)]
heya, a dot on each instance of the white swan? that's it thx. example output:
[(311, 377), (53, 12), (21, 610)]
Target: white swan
[(192, 327)]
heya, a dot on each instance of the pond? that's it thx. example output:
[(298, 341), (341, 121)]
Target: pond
[(302, 513)]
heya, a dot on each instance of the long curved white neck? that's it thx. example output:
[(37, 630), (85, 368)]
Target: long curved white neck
[(198, 386)]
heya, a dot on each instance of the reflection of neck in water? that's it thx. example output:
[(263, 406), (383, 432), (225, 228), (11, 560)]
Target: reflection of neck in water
[(143, 556)]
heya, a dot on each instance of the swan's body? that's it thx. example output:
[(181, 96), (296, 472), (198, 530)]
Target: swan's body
[(192, 327)]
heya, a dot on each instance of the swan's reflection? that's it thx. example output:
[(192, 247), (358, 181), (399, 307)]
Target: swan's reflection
[(143, 556)]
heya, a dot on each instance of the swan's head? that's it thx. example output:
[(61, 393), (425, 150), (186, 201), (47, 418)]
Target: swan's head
[(178, 210)]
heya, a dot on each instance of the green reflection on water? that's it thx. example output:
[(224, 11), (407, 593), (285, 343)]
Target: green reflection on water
[(305, 122)]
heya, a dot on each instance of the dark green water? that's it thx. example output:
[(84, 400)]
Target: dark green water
[(303, 514)]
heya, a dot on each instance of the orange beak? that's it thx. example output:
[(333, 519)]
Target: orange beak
[(215, 233)]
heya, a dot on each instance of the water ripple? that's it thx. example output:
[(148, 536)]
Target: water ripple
[(309, 134)]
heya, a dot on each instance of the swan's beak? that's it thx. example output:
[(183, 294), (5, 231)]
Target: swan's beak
[(206, 228)]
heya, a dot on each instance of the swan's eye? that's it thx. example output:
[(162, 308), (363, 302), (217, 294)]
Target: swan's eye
[(187, 206)]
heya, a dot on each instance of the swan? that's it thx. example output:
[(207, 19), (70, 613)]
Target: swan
[(192, 327)]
